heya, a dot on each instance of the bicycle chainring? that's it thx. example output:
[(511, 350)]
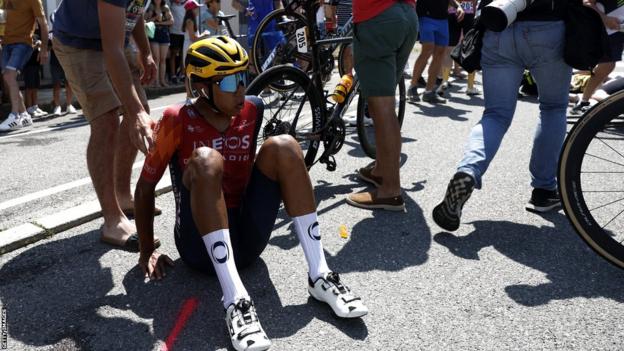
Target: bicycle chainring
[(335, 136)]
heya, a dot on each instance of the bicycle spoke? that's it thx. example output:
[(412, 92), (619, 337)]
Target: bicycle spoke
[(603, 191), (609, 146), (589, 172), (616, 216), (604, 159), (607, 204)]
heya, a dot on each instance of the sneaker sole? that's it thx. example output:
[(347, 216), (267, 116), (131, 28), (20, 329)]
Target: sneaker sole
[(542, 209), (341, 315), (377, 206), (442, 221)]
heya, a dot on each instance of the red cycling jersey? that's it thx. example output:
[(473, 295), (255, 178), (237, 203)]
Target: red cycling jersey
[(182, 129)]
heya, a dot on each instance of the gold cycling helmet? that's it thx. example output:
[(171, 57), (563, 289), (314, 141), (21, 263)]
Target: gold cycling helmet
[(215, 56)]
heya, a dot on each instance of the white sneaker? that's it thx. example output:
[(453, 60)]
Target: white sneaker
[(245, 330), (57, 111), (39, 112), (473, 91), (338, 296), (71, 109), (13, 121), (26, 119)]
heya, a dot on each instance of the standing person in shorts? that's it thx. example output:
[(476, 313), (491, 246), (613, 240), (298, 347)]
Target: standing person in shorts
[(176, 37), (159, 13), (32, 81), (82, 47), (17, 43), (58, 79), (434, 37), (379, 58), (456, 30)]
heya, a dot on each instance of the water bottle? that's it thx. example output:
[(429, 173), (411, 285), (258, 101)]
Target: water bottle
[(343, 88)]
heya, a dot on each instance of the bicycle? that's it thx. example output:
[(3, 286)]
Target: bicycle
[(590, 171), (298, 104), (275, 40)]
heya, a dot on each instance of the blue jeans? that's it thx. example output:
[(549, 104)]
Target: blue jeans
[(538, 47), (15, 56)]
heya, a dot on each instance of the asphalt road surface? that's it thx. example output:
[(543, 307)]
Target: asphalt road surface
[(506, 280)]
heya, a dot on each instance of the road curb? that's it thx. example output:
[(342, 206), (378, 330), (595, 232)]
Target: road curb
[(42, 228)]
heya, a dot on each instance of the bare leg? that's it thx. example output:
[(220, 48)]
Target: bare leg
[(421, 62), (100, 161), (69, 95), (601, 72), (281, 159), (125, 154), (162, 66), (434, 67), (56, 94), (388, 141), (203, 179), (156, 55), (17, 103)]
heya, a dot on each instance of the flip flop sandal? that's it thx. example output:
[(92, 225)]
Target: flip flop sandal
[(131, 244)]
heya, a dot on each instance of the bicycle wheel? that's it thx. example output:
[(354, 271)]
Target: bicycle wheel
[(366, 134), (590, 178), (342, 57), (296, 111), (275, 42)]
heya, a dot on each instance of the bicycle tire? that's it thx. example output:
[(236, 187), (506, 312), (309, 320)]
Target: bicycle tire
[(366, 134), (577, 164), (283, 51), (341, 53), (298, 125)]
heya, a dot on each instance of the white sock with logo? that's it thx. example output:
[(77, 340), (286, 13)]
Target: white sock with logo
[(220, 251), (309, 234)]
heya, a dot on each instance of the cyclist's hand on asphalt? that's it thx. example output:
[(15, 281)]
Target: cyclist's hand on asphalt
[(141, 132), (153, 267), (150, 71), (43, 56)]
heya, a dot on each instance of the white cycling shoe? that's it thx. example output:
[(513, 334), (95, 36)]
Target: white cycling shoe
[(329, 289), (245, 330)]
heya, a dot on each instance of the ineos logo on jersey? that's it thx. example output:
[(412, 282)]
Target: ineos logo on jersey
[(220, 252), (232, 143), (312, 235)]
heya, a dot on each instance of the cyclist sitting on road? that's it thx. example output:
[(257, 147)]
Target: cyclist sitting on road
[(227, 198)]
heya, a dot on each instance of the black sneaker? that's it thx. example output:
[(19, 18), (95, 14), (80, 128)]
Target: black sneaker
[(433, 98), (580, 108), (412, 94), (421, 82), (543, 200), (448, 213)]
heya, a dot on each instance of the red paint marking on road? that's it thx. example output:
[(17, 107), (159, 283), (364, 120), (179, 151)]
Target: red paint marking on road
[(187, 310)]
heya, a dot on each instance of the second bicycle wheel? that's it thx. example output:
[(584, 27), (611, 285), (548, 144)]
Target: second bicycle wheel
[(591, 178), (295, 111), (366, 133)]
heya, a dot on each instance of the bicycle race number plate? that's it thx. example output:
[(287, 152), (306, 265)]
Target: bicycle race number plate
[(302, 43)]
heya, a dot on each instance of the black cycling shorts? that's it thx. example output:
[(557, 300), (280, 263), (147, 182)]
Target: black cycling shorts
[(250, 225)]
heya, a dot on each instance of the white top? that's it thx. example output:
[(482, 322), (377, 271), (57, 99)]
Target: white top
[(178, 11)]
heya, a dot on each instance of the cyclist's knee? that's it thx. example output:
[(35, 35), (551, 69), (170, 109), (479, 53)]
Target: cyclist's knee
[(283, 148), (206, 164)]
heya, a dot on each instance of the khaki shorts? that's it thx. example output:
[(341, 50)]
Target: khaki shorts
[(85, 71), (381, 47)]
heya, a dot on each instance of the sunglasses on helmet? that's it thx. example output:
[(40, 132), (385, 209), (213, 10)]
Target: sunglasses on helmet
[(230, 83)]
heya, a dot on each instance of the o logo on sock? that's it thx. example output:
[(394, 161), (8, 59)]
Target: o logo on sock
[(220, 252), (310, 229)]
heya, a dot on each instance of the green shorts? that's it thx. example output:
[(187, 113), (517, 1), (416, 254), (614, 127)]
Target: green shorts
[(381, 47)]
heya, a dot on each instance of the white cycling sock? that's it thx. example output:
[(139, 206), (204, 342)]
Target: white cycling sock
[(308, 232), (220, 251)]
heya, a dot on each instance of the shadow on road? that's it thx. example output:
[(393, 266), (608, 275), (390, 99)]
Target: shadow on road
[(573, 269), (61, 294)]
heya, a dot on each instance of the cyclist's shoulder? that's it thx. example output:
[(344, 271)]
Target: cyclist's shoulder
[(253, 105)]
